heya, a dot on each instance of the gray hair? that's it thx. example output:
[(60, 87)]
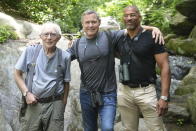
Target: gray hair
[(134, 7), (88, 12), (53, 25)]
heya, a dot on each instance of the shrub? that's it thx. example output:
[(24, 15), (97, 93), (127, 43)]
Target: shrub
[(7, 32)]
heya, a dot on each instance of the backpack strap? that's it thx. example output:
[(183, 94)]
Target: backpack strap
[(80, 65), (31, 68), (59, 67), (110, 56)]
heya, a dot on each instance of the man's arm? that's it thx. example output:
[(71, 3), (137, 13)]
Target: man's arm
[(156, 33), (18, 76), (66, 92), (162, 61)]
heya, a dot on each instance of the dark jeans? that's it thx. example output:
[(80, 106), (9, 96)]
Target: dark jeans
[(107, 112)]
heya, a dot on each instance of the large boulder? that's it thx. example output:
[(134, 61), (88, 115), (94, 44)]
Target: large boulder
[(22, 28), (188, 84), (181, 25), (176, 112), (109, 23), (4, 126), (187, 8), (187, 87), (186, 47), (10, 95), (193, 33), (191, 103)]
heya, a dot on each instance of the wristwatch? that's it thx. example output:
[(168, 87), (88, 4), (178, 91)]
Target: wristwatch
[(165, 98), (25, 93)]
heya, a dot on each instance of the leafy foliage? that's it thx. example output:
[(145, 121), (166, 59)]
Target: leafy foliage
[(6, 32), (155, 12), (67, 12)]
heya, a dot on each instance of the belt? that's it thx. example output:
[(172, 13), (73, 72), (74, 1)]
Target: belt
[(50, 98), (133, 85)]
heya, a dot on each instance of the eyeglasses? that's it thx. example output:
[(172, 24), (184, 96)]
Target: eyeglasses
[(52, 35)]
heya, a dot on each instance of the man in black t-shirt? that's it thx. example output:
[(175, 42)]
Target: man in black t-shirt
[(138, 57)]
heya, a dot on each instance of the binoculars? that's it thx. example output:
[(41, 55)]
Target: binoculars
[(96, 99), (124, 72)]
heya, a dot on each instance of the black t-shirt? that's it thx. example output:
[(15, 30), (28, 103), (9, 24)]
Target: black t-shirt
[(141, 60)]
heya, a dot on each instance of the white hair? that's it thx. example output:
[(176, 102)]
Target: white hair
[(51, 25)]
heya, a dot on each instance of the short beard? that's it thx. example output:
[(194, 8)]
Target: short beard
[(131, 28)]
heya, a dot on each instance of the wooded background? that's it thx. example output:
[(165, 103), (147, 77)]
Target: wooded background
[(67, 12)]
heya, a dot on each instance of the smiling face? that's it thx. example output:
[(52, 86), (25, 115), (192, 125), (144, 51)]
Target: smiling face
[(49, 37), (90, 23), (131, 18)]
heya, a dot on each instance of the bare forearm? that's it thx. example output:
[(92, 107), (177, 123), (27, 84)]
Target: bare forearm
[(66, 91), (20, 81), (148, 27), (165, 80)]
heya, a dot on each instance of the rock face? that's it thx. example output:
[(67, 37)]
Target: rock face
[(193, 33), (109, 23), (181, 25), (186, 47), (191, 102), (9, 94), (183, 22), (187, 88), (187, 8), (23, 29)]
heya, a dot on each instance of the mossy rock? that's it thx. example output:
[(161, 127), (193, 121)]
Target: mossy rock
[(191, 105), (193, 33), (180, 25), (188, 84), (185, 47), (187, 8), (183, 90), (191, 77), (169, 36)]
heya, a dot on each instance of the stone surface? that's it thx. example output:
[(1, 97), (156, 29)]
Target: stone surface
[(23, 29), (180, 25), (193, 33), (169, 36), (187, 87), (4, 126), (188, 84), (176, 112), (109, 23), (191, 103), (185, 47), (187, 8)]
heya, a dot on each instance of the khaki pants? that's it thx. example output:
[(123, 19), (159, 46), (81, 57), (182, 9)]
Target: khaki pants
[(44, 117), (132, 101)]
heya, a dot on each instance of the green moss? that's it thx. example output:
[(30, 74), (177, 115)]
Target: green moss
[(183, 90), (7, 32), (191, 103), (185, 47), (158, 70)]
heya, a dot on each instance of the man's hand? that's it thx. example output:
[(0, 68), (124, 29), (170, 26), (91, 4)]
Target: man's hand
[(33, 42), (70, 43), (161, 107), (30, 98), (156, 33)]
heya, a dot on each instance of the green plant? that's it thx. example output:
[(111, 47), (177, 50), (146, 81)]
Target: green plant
[(7, 32), (180, 122)]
